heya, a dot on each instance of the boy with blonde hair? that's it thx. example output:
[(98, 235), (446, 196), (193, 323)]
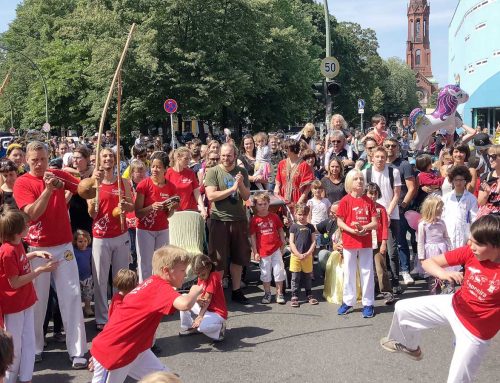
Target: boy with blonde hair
[(123, 348)]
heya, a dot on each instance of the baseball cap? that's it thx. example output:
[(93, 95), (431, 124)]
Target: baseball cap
[(481, 141)]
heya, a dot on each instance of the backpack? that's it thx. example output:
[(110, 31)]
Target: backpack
[(391, 175)]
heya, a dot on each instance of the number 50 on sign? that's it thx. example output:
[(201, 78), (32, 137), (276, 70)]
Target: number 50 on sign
[(330, 67)]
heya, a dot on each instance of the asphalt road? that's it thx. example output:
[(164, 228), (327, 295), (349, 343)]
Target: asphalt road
[(273, 343)]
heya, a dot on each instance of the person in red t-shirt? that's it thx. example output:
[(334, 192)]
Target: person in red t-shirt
[(111, 241), (123, 348), (379, 243), (152, 210), (185, 181), (124, 281), (41, 195), (18, 292), (473, 312), (357, 217), (210, 309), (268, 238)]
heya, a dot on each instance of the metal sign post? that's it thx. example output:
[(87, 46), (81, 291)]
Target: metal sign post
[(361, 111)]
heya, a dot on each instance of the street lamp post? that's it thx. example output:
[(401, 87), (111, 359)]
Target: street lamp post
[(41, 77)]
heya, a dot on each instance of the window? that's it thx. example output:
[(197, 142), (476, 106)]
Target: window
[(425, 27), (467, 38), (417, 33), (417, 57), (481, 62), (496, 53)]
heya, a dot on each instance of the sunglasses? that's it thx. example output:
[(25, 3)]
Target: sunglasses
[(390, 146), (370, 148), (492, 157)]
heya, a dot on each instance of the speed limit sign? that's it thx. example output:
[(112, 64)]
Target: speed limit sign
[(330, 67)]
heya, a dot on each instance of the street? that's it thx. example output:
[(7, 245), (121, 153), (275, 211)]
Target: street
[(273, 343)]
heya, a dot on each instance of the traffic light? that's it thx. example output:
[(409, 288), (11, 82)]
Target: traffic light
[(333, 88), (319, 91)]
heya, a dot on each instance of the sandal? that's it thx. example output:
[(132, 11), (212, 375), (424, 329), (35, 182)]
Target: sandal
[(294, 302), (312, 300)]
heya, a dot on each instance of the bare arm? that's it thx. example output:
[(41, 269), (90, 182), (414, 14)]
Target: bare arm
[(394, 201), (472, 184), (217, 195), (185, 302), (18, 281), (436, 267), (292, 245), (411, 184), (470, 133)]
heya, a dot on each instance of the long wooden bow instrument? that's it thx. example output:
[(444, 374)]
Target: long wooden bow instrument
[(89, 187)]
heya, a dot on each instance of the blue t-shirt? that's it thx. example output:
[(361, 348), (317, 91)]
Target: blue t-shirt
[(84, 261)]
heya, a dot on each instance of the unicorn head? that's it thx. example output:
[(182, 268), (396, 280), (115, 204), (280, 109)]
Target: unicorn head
[(448, 100)]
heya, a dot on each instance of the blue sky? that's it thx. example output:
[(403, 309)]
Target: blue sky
[(386, 17)]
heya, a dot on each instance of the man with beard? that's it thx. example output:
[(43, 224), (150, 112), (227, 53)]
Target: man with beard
[(195, 148)]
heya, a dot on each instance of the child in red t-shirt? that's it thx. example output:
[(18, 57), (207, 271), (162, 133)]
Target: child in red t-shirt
[(124, 281), (473, 312), (18, 292), (379, 244), (123, 348), (268, 239), (357, 217), (210, 309)]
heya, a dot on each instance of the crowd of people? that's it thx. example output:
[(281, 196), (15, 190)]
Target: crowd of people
[(73, 219)]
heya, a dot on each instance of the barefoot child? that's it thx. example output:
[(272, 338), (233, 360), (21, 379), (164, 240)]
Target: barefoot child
[(267, 239), (83, 255), (123, 348), (18, 292), (302, 244), (210, 309), (473, 312)]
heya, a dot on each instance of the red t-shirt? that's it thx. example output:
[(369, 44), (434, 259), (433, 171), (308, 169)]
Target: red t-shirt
[(185, 182), (13, 262), (105, 225), (360, 210), (155, 220), (382, 223), (293, 181), (213, 285), (477, 303), (132, 327), (266, 232), (116, 302), (52, 228)]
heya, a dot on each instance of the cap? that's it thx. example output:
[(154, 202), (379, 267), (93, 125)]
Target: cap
[(481, 141)]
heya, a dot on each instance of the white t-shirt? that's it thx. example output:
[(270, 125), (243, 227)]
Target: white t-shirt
[(319, 209), (384, 183)]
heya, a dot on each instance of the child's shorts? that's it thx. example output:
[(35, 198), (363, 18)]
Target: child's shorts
[(272, 264), (298, 265), (87, 288)]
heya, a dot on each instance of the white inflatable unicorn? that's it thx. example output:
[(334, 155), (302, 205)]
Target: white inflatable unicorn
[(442, 118)]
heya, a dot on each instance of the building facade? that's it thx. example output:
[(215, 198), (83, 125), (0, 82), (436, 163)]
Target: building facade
[(418, 49), (474, 60)]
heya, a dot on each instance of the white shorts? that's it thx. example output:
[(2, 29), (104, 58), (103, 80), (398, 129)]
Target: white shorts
[(145, 363), (274, 263)]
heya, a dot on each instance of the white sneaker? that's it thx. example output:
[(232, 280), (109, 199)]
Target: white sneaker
[(407, 279)]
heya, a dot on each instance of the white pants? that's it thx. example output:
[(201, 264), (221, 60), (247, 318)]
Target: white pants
[(106, 253), (67, 285), (272, 264), (145, 363), (365, 259), (21, 326), (416, 314), (210, 325), (146, 243)]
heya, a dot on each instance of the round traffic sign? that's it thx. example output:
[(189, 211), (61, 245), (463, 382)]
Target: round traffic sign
[(329, 67), (12, 130), (46, 127), (170, 106)]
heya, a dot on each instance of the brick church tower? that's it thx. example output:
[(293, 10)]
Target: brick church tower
[(418, 49)]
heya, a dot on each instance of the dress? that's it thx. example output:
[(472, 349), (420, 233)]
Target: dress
[(432, 239)]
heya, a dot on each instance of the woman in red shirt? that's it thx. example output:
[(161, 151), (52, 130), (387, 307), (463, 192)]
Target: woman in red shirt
[(185, 181), (152, 213), (111, 243)]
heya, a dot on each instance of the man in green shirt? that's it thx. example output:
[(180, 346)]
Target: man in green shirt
[(227, 187)]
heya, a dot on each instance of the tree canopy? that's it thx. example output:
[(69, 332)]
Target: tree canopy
[(229, 62)]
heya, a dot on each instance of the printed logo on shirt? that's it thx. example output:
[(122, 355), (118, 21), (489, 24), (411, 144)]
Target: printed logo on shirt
[(479, 285), (68, 255), (34, 232), (266, 227), (101, 225), (185, 180), (149, 220), (361, 214), (142, 286)]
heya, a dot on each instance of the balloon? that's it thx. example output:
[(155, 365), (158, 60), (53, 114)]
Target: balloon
[(442, 118), (413, 218)]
